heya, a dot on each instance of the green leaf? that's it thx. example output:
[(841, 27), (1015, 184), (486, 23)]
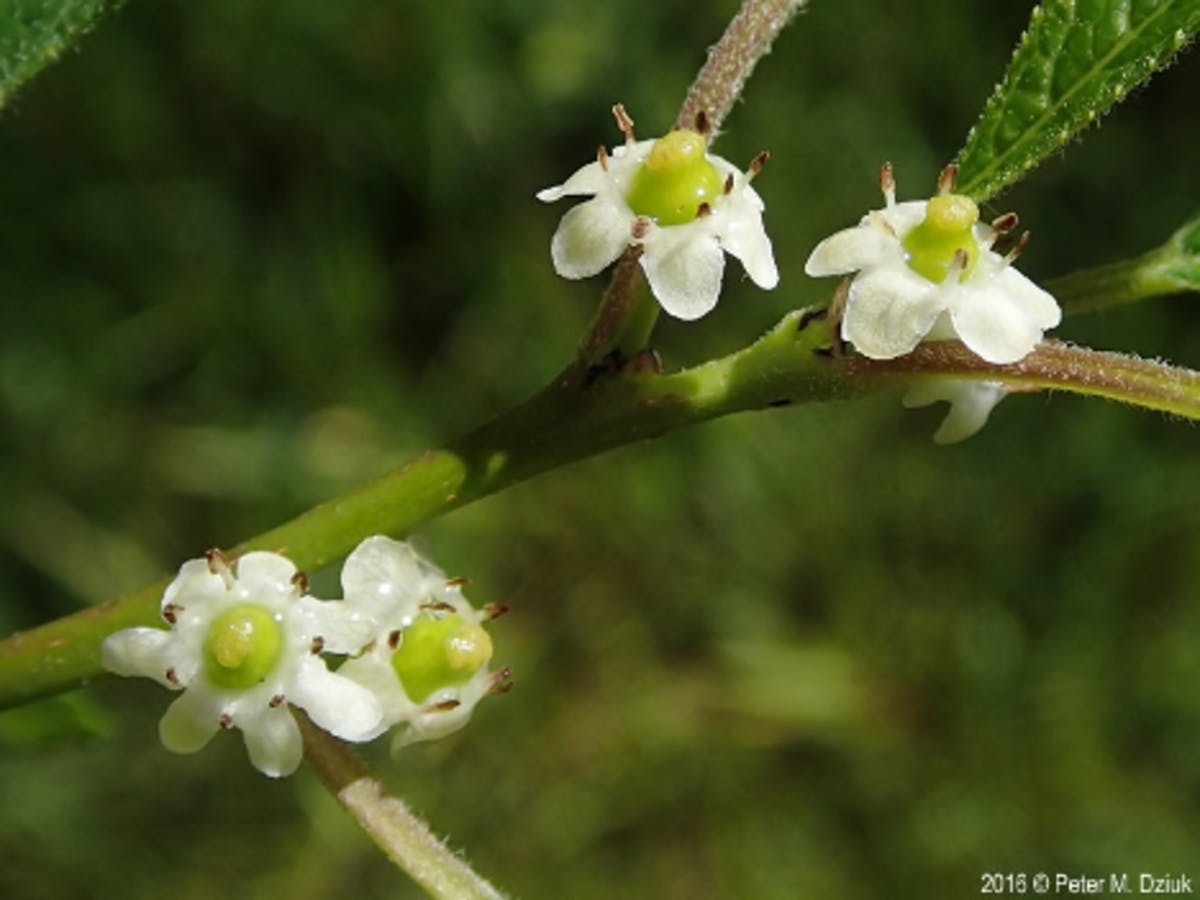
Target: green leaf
[(1077, 59), (1172, 268), (34, 33)]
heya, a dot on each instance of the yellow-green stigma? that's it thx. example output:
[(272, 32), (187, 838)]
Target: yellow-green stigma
[(242, 646), (674, 180), (440, 653), (945, 230)]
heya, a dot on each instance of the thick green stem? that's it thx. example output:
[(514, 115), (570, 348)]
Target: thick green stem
[(397, 831)]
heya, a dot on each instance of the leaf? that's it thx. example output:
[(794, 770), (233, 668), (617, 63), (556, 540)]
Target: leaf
[(1077, 59), (34, 33)]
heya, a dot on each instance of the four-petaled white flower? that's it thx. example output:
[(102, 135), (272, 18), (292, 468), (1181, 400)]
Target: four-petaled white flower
[(683, 206), (925, 269), (429, 666), (971, 402), (241, 647)]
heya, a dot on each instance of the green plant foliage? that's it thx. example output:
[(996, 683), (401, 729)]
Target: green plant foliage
[(1180, 257), (1076, 60), (34, 33)]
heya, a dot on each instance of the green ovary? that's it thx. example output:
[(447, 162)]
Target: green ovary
[(674, 180), (440, 653), (945, 230), (242, 646)]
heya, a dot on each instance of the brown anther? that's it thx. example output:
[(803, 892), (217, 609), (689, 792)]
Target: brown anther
[(443, 706), (394, 639), (318, 644), (757, 164), (439, 606), (1005, 223), (959, 262), (948, 179), (602, 157), (624, 123), (171, 676), (457, 581), (1018, 248), (728, 189), (170, 612), (887, 180), (225, 720), (639, 228), (218, 562), (495, 610), (703, 126), (276, 701), (703, 210), (500, 681), (300, 582)]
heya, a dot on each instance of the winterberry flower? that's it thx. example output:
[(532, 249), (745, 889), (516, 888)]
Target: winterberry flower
[(683, 206), (429, 666), (925, 269), (244, 642), (971, 402)]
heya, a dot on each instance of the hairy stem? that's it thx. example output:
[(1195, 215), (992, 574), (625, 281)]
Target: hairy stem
[(397, 831)]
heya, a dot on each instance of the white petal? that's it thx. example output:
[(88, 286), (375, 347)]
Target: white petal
[(992, 323), (383, 576), (971, 402), (590, 236), (743, 236), (343, 627), (138, 651), (190, 722), (273, 741), (268, 572), (1039, 305), (851, 250), (684, 270), (194, 579), (337, 704), (903, 217), (889, 310), (588, 180)]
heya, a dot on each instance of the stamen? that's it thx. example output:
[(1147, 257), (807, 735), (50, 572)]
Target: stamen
[(624, 123), (443, 706), (225, 720), (299, 584), (495, 610), (457, 581), (1005, 223), (499, 682), (394, 639), (703, 126), (602, 157), (877, 221), (218, 564), (887, 184), (276, 701), (703, 210), (957, 265), (170, 612), (639, 228), (171, 676), (318, 644), (439, 606), (728, 188), (756, 164), (948, 179), (1018, 249)]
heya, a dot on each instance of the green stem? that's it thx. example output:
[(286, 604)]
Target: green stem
[(397, 831), (568, 421)]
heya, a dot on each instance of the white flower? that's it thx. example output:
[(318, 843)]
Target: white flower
[(971, 403), (927, 266), (242, 647), (429, 666), (685, 207)]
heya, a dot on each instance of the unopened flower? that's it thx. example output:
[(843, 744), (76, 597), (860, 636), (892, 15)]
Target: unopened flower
[(429, 666), (685, 207), (926, 269), (971, 402), (242, 645)]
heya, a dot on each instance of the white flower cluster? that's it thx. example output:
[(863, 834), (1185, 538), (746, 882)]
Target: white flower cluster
[(246, 641)]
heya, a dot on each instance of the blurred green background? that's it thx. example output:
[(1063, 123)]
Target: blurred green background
[(257, 252)]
